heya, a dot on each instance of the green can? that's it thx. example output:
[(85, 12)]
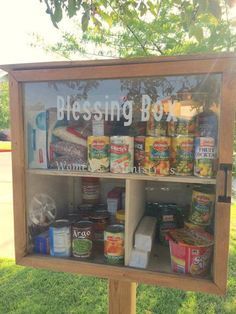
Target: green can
[(114, 250), (82, 239)]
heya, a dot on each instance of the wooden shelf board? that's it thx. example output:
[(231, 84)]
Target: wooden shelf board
[(146, 276), (130, 176)]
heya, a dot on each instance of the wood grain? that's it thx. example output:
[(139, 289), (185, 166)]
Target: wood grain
[(130, 70), (18, 168), (122, 297), (187, 179), (169, 280)]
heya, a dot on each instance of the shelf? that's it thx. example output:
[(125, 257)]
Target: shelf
[(129, 176)]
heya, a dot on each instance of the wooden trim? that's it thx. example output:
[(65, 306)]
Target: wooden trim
[(126, 70), (183, 282), (222, 211), (122, 297), (129, 176), (18, 168), (122, 61)]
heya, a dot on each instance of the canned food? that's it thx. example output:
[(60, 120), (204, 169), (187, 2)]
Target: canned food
[(82, 239), (114, 244), (98, 153), (85, 211), (60, 238), (204, 157), (122, 154), (120, 216), (157, 153), (100, 220), (181, 127), (202, 206), (139, 151), (182, 158), (90, 190), (154, 127), (206, 124)]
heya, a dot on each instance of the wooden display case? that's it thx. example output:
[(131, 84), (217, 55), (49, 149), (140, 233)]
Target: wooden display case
[(64, 186)]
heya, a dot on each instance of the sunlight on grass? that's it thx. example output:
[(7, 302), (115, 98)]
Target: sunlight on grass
[(26, 290)]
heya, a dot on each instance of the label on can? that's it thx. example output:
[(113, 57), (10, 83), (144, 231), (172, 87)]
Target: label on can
[(60, 241), (182, 155), (157, 152), (139, 151), (98, 153), (82, 236), (121, 154), (201, 208), (114, 244), (204, 157)]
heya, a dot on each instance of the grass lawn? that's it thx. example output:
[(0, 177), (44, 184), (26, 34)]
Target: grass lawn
[(25, 290)]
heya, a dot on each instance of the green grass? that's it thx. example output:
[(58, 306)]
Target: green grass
[(24, 290)]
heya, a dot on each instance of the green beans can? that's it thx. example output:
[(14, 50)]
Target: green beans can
[(82, 239)]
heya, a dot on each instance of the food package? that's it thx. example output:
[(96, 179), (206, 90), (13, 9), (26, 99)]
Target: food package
[(41, 243), (145, 233), (37, 139), (139, 259)]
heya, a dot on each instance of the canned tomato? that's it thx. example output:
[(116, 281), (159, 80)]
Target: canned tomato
[(157, 153), (114, 244), (204, 157), (202, 206), (139, 151), (98, 153), (121, 154), (100, 220), (182, 159), (82, 239), (60, 238)]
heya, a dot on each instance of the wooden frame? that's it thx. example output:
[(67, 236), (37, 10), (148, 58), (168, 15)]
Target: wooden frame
[(224, 64)]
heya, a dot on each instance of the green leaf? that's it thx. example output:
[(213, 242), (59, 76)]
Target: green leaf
[(85, 21), (106, 17), (57, 14), (197, 32), (71, 8), (142, 8)]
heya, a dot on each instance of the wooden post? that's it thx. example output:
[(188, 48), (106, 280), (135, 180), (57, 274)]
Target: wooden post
[(122, 297)]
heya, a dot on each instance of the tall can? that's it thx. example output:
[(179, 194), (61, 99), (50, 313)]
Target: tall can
[(139, 152), (60, 238), (98, 153), (202, 206), (121, 154), (114, 244), (82, 239), (204, 157), (182, 155), (157, 154)]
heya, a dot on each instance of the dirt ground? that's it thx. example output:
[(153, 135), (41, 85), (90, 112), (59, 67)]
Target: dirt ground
[(6, 209)]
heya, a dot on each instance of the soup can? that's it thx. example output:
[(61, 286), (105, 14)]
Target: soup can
[(114, 244), (100, 220), (121, 154), (82, 239), (157, 153), (139, 152), (202, 206), (98, 153), (60, 238), (204, 157), (182, 155)]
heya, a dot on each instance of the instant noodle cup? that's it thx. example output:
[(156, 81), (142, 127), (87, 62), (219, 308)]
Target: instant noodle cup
[(157, 153), (190, 250)]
